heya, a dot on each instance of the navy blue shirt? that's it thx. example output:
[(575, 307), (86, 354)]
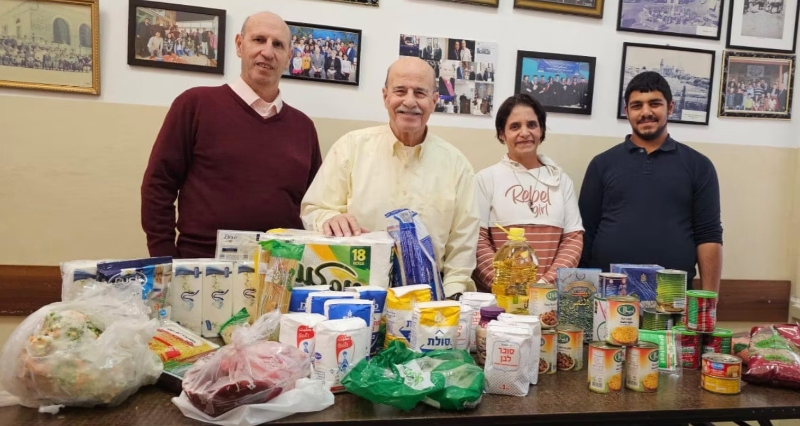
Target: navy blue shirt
[(649, 208)]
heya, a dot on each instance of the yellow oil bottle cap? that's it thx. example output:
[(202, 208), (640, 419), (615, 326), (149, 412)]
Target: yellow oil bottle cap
[(517, 234)]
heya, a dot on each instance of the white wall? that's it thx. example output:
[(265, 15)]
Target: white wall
[(512, 29)]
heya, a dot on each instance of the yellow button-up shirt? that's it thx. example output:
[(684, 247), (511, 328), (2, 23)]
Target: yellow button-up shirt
[(369, 173)]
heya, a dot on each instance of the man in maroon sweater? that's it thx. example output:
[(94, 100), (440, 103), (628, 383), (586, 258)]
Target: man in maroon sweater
[(234, 156)]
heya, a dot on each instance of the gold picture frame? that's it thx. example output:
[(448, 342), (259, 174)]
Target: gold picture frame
[(577, 7), (489, 3), (50, 45)]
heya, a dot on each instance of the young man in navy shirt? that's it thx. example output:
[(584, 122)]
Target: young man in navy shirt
[(651, 199)]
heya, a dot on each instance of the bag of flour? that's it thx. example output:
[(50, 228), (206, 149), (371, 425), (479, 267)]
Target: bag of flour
[(476, 301), (465, 329), (297, 301), (400, 303), (434, 325), (315, 304), (378, 296), (340, 345), (350, 308), (297, 329), (508, 355), (532, 322)]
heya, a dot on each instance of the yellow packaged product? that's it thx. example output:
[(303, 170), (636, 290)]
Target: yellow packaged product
[(400, 302), (175, 343), (434, 325)]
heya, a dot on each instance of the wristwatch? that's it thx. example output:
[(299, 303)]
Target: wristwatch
[(456, 297)]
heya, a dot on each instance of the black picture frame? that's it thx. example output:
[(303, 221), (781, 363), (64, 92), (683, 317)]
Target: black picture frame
[(671, 68), (370, 3), (557, 61), (621, 24), (759, 42), (572, 7), (216, 64), (299, 29), (728, 80)]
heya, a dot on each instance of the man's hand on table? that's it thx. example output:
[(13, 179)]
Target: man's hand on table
[(342, 225)]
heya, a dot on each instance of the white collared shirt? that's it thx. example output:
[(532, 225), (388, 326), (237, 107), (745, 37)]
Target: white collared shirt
[(250, 97)]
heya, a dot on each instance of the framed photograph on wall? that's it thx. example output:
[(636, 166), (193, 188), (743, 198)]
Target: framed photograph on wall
[(325, 54), (174, 36), (687, 18), (562, 83), (50, 45), (763, 25), (464, 70), (590, 8), (490, 3), (689, 72), (756, 85), (360, 2)]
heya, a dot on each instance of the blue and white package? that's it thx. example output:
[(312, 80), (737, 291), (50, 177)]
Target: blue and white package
[(297, 301), (349, 308), (378, 297), (315, 304), (415, 257), (153, 275)]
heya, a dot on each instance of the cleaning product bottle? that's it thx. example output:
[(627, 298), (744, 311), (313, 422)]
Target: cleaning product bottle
[(515, 265)]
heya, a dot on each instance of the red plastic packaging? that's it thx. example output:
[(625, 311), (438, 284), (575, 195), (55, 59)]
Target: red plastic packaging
[(774, 356)]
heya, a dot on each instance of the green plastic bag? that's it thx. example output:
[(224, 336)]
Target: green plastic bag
[(401, 378)]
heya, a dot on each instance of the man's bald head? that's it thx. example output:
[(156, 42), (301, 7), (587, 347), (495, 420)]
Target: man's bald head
[(268, 18), (408, 65)]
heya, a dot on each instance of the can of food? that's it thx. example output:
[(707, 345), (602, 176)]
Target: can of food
[(605, 367), (570, 347), (720, 386), (599, 319), (690, 347), (654, 320), (718, 342), (623, 320), (722, 366), (547, 353), (670, 290), (641, 367), (678, 319), (701, 310), (543, 302), (613, 284)]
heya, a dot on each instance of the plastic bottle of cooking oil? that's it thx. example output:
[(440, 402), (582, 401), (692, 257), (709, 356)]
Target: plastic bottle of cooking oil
[(515, 265)]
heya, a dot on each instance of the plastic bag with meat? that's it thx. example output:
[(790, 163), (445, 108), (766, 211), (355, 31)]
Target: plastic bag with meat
[(250, 370), (774, 356)]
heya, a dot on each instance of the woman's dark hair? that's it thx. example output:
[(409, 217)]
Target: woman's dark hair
[(520, 99), (648, 81)]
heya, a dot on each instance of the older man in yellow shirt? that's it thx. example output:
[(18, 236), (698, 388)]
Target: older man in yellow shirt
[(372, 171)]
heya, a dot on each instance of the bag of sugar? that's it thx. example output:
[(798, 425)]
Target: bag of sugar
[(508, 355), (297, 329), (340, 345), (465, 329), (378, 296), (476, 301), (315, 303), (532, 322), (434, 325), (400, 303), (297, 300), (350, 308)]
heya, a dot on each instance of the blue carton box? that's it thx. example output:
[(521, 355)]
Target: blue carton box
[(641, 281)]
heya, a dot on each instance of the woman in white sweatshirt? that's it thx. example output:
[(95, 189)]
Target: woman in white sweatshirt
[(527, 190)]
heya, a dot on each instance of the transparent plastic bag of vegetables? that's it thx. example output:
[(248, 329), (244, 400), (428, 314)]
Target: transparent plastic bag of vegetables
[(88, 351)]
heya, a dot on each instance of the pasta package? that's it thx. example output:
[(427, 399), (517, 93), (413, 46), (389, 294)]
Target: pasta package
[(415, 257), (175, 343), (277, 264)]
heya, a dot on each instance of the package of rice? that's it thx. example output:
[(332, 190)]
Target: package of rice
[(532, 322), (476, 301), (508, 357), (400, 302)]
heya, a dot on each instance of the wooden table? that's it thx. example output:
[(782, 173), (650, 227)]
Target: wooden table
[(563, 398)]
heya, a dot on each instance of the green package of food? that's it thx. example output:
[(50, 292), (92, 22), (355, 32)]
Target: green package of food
[(669, 348), (402, 378)]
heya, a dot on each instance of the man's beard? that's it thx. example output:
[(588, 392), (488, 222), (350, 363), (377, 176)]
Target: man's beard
[(651, 136)]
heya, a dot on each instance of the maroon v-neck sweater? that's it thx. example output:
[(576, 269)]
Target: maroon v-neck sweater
[(228, 167)]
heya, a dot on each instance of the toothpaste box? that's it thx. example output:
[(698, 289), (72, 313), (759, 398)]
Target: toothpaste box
[(186, 293), (641, 281), (217, 296)]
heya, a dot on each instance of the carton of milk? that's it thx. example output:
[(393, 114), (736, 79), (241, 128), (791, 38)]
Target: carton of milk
[(186, 293), (217, 296)]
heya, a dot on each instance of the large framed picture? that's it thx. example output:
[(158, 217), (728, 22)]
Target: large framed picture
[(562, 83), (590, 8), (325, 54), (756, 85), (687, 18), (360, 2), (689, 72), (464, 70), (763, 25), (174, 36), (490, 3), (50, 45)]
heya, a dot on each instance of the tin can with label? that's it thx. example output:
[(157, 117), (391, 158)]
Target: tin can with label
[(543, 302), (613, 284), (718, 342), (720, 385), (605, 367), (654, 320), (570, 347), (641, 367), (548, 353), (600, 319), (690, 347), (623, 320), (722, 366)]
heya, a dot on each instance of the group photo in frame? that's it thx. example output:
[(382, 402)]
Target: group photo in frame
[(561, 83), (324, 53), (589, 8), (689, 72), (756, 85), (51, 45), (489, 3), (763, 25), (176, 36), (687, 18), (375, 3)]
